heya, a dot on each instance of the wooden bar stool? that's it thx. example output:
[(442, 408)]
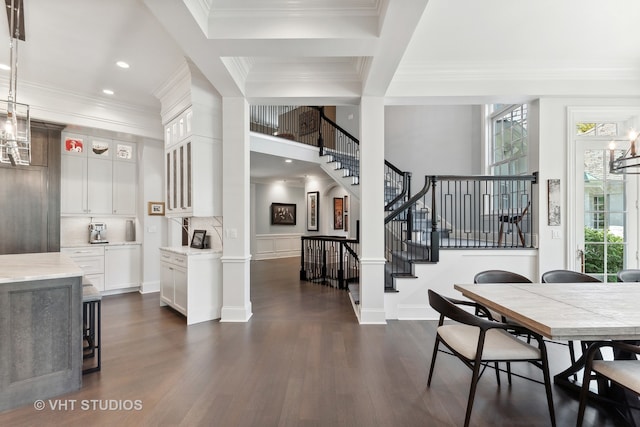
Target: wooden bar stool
[(91, 333)]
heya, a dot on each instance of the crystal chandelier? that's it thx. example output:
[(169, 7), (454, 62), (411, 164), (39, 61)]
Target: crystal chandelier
[(629, 161), (15, 135)]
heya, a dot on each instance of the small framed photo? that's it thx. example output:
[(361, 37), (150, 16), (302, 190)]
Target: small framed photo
[(197, 241), (155, 208)]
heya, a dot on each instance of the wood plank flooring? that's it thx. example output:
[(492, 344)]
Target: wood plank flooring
[(302, 360)]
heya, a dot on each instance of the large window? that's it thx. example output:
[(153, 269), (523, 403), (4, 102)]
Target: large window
[(509, 140)]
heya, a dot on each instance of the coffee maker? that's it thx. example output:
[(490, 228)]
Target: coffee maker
[(97, 232)]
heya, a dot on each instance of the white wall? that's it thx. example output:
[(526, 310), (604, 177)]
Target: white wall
[(432, 140), (153, 229)]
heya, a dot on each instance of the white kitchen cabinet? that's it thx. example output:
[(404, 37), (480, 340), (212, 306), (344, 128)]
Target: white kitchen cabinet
[(191, 283), (98, 176), (99, 186), (122, 266), (91, 260), (73, 184), (192, 170), (124, 188)]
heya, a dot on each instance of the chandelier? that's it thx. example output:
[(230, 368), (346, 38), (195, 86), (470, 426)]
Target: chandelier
[(629, 161), (15, 135)]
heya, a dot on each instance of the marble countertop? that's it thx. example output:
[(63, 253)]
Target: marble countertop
[(39, 266), (83, 244), (186, 250)]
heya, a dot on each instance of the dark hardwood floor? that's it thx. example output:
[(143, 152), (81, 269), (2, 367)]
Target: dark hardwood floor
[(301, 360)]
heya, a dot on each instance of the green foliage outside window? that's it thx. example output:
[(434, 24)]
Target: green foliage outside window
[(594, 253)]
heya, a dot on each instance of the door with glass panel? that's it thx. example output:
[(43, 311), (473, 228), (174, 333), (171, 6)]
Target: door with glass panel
[(606, 205)]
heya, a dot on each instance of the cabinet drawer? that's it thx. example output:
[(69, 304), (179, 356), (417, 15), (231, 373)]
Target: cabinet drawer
[(84, 251), (90, 265), (174, 259)]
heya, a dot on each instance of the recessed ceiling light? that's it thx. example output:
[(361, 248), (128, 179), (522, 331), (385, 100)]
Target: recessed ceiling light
[(288, 161), (107, 91), (4, 67), (122, 64)]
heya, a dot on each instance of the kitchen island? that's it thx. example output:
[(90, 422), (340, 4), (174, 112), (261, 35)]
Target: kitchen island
[(40, 327)]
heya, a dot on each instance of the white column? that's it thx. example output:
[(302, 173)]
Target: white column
[(372, 261), (236, 256)]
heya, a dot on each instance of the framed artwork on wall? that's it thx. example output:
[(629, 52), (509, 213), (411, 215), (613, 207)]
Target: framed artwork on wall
[(283, 214), (313, 210), (346, 222), (338, 211), (155, 208), (346, 204)]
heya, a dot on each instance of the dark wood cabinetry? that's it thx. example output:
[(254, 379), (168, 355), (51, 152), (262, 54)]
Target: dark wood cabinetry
[(30, 208)]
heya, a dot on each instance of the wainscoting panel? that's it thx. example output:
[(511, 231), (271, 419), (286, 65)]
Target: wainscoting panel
[(269, 246)]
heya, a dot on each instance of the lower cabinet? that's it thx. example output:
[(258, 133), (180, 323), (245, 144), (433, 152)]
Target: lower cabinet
[(191, 283), (91, 260), (121, 267)]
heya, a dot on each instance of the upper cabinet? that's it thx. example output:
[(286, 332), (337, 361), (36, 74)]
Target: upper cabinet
[(99, 176), (192, 169)]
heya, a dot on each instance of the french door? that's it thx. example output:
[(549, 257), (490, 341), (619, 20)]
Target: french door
[(606, 220)]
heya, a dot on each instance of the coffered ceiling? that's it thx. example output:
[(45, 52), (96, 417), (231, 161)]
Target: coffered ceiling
[(291, 51), (320, 52)]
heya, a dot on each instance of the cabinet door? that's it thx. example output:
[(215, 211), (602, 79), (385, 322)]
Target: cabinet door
[(124, 188), (166, 283), (122, 266), (180, 283), (99, 186), (73, 184)]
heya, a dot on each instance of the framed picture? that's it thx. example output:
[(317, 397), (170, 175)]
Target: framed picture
[(338, 220), (283, 214), (553, 216), (197, 241), (346, 222), (313, 209), (155, 208), (346, 204)]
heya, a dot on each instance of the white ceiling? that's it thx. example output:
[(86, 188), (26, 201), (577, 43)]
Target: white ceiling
[(330, 51)]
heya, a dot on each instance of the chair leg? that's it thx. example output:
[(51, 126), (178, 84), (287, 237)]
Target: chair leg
[(433, 359), (497, 368), (509, 372), (584, 393), (500, 233), (547, 382), (520, 233), (472, 392)]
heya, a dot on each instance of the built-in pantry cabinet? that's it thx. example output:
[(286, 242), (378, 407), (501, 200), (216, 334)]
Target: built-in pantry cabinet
[(98, 176), (190, 169)]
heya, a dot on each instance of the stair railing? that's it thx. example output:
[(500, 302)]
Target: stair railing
[(330, 260), (461, 212)]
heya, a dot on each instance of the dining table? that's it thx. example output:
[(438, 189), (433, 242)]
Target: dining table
[(584, 312)]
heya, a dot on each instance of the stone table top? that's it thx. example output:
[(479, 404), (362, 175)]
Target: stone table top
[(565, 311)]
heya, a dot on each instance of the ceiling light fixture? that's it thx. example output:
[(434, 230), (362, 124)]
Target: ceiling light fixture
[(288, 161), (107, 91), (15, 136), (122, 64), (629, 161)]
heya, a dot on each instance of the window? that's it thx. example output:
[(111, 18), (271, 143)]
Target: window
[(598, 212), (509, 140)]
